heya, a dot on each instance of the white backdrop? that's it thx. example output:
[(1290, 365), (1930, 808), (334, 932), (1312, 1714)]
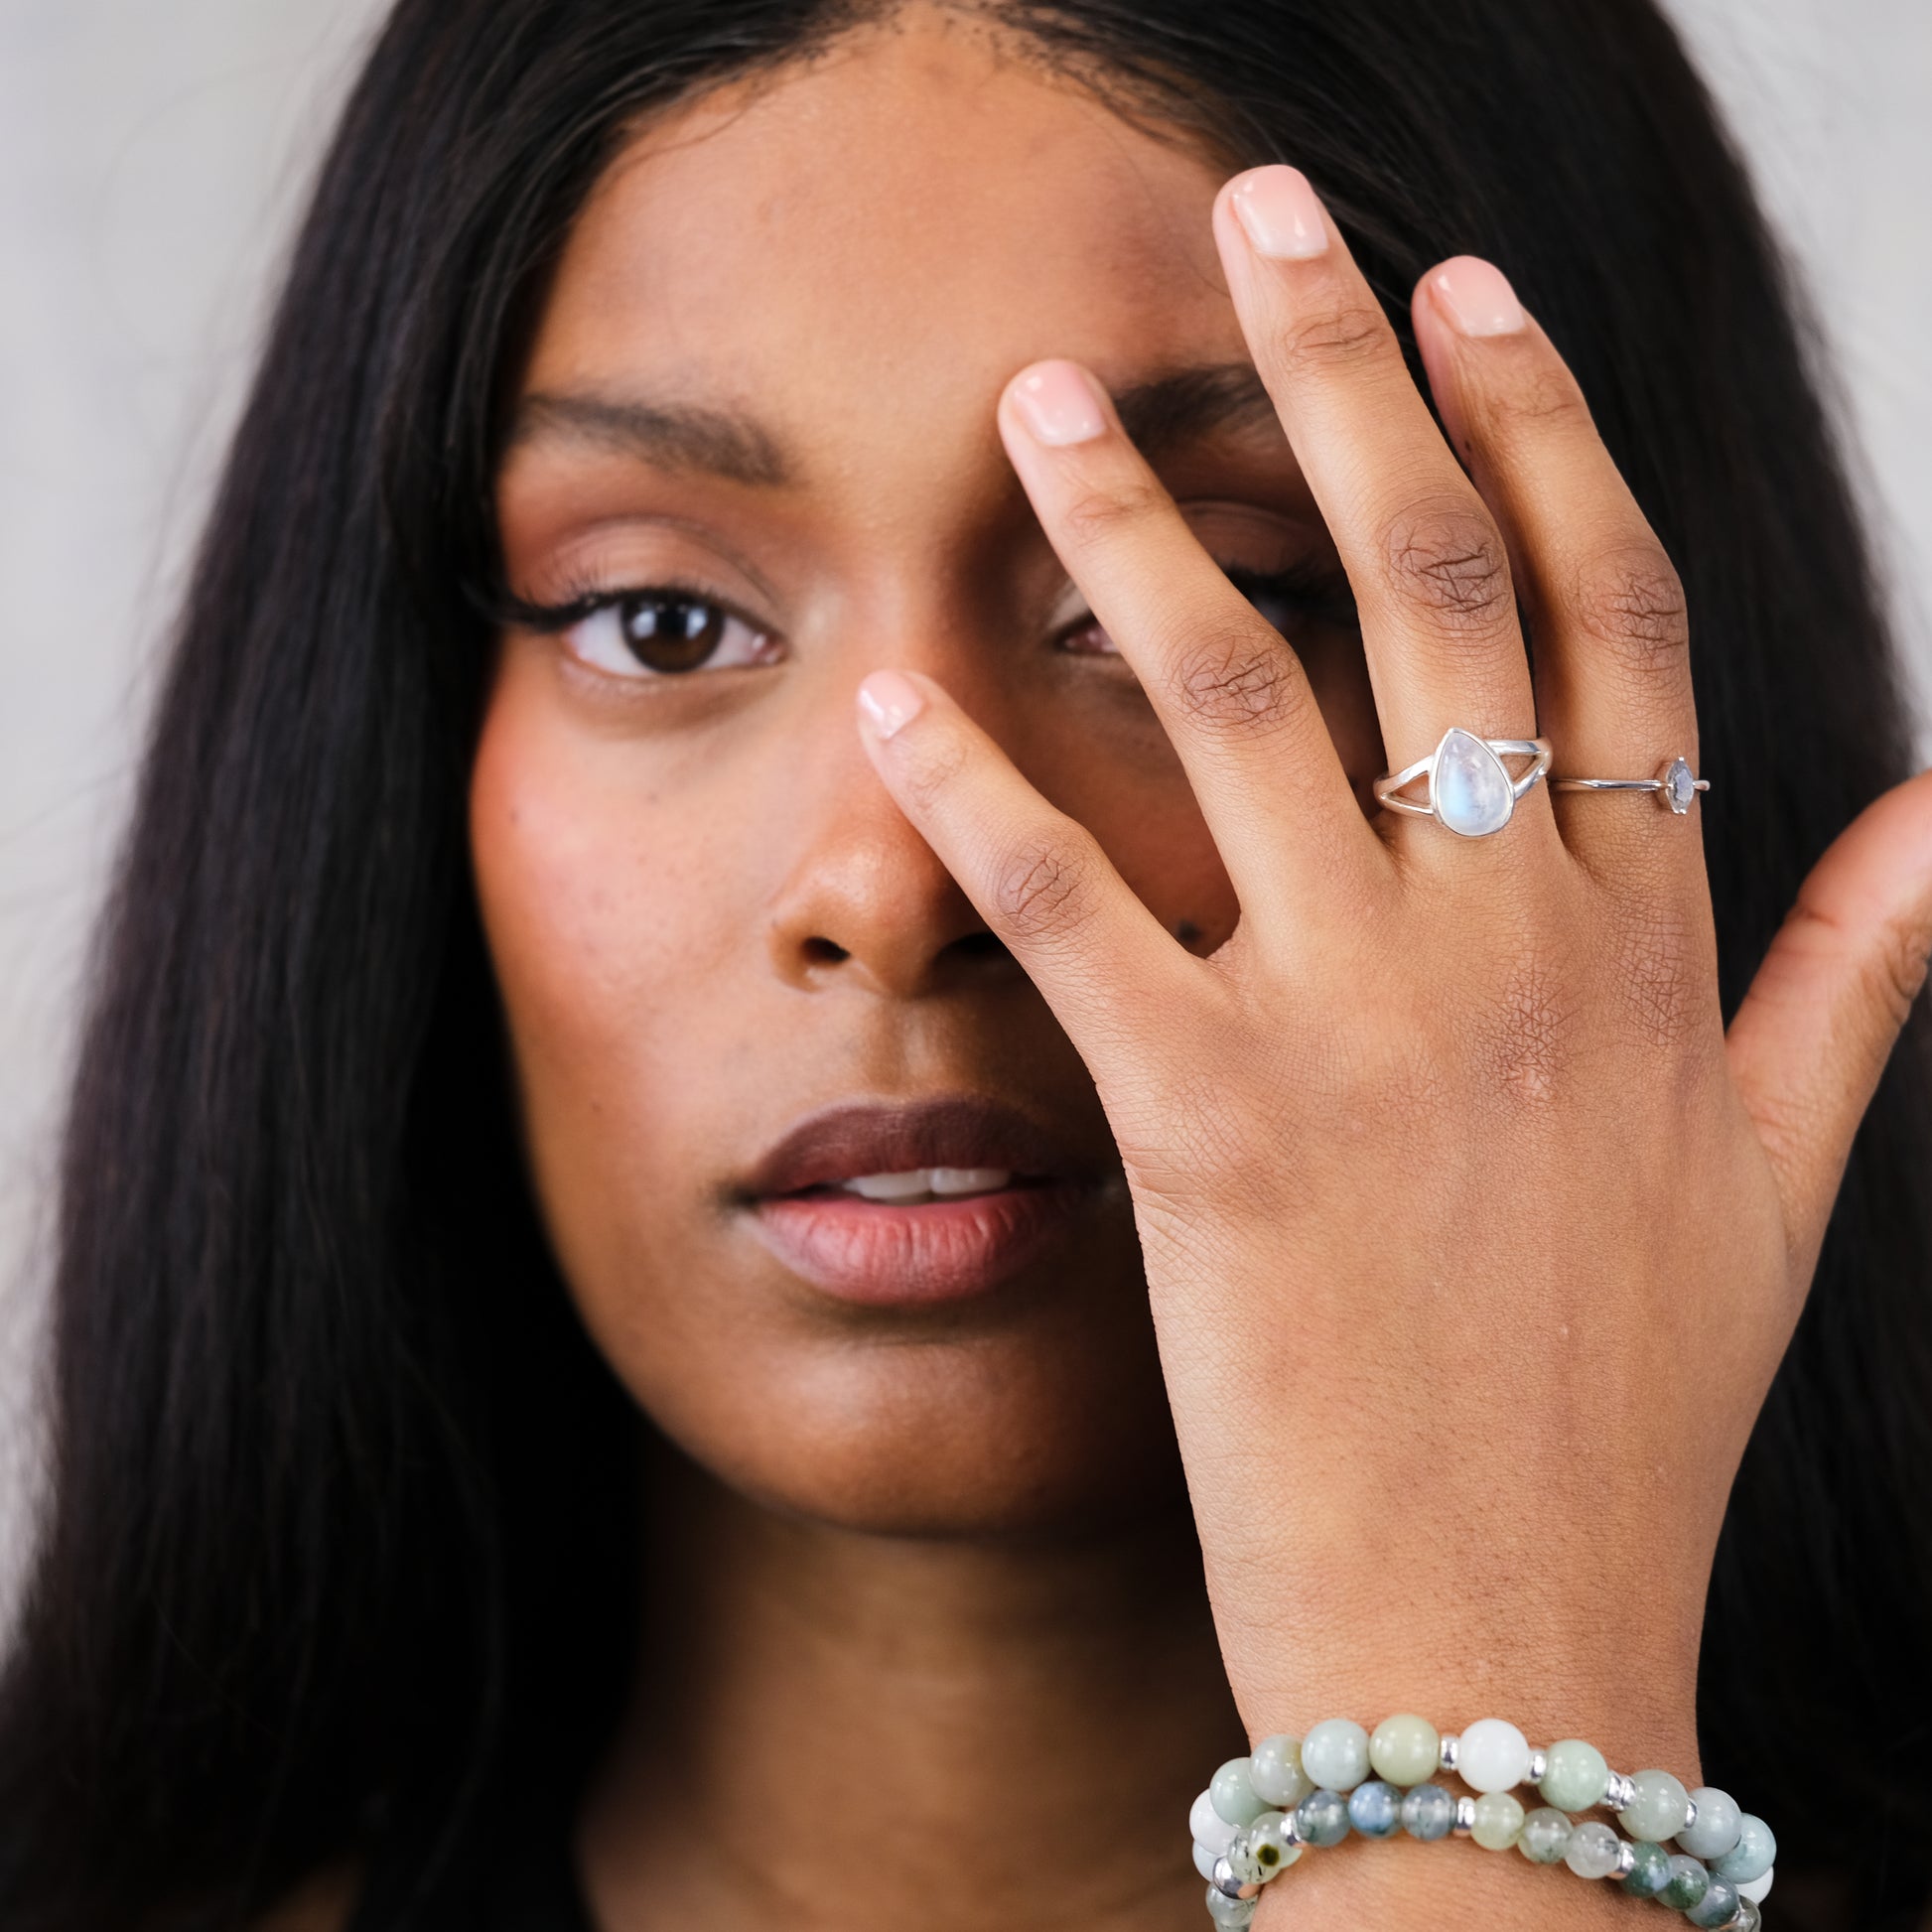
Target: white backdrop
[(152, 153)]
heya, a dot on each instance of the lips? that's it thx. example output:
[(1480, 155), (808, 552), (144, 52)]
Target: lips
[(998, 1189)]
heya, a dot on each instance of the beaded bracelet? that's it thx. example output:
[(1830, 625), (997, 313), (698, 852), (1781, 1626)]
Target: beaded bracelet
[(1261, 1812)]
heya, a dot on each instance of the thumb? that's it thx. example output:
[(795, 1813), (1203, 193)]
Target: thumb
[(1808, 1042)]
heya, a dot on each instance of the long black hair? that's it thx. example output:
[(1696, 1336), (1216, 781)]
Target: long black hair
[(339, 1557)]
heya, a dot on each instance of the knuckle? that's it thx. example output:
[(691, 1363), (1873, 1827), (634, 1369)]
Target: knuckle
[(1447, 563), (1235, 679), (1097, 512), (1042, 892), (1336, 338), (1540, 399), (1632, 601)]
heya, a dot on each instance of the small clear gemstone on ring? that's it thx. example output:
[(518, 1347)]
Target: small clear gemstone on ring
[(1680, 786)]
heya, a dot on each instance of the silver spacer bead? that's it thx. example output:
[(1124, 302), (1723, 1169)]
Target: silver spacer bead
[(1445, 1750), (1539, 1767), (1689, 1813), (1618, 1792), (1748, 1918), (1465, 1817), (1224, 1882), (1626, 1859), (1290, 1831)]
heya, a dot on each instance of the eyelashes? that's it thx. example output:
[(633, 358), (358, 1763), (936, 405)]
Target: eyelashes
[(647, 632)]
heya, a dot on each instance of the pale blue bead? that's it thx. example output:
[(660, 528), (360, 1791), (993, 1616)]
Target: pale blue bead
[(1335, 1754), (1204, 1859), (1321, 1818), (1232, 1793), (1717, 1825), (1717, 1906), (1375, 1809), (1427, 1812), (1223, 1910), (1754, 1854)]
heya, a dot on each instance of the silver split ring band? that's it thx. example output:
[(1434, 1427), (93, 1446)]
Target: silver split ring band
[(1675, 785), (1469, 789)]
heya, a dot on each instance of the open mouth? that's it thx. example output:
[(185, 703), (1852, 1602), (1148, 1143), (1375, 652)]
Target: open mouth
[(915, 1186)]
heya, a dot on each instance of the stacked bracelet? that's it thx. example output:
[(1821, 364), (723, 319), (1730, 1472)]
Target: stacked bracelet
[(1261, 1812)]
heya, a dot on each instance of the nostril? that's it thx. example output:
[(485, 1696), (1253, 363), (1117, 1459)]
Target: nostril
[(978, 945), (824, 952)]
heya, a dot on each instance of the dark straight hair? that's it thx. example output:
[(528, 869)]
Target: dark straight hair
[(339, 1557)]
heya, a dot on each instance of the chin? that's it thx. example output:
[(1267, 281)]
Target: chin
[(965, 1438)]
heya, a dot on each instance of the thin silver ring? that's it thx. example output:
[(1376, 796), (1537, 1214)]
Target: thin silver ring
[(1470, 792), (1674, 785)]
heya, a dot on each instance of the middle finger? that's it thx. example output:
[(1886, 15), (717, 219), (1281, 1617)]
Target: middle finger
[(1424, 556)]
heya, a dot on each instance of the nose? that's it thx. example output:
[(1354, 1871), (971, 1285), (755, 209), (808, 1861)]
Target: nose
[(866, 901)]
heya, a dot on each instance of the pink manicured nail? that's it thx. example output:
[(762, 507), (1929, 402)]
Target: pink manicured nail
[(1060, 404), (889, 699), (1476, 297), (1280, 213)]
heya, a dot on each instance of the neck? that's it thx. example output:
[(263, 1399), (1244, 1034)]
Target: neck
[(833, 1727)]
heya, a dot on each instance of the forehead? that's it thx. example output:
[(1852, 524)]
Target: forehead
[(902, 221)]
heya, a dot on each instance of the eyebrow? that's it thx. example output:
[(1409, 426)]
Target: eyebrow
[(1189, 405), (1166, 412), (725, 443)]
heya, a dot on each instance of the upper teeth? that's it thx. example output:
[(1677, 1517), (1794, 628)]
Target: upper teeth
[(926, 1183)]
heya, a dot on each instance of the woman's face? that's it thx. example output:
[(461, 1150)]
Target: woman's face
[(759, 413)]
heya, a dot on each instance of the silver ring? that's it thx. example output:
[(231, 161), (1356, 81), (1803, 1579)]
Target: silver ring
[(1469, 789), (1674, 785)]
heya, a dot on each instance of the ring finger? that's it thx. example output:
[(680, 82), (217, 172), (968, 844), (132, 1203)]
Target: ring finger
[(1423, 555)]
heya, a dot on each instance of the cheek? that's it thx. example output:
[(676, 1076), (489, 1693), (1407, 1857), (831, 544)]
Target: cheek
[(594, 904), (1120, 777)]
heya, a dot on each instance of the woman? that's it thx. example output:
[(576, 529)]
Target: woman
[(766, 830)]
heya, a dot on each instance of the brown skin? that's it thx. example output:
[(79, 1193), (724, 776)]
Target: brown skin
[(937, 1651)]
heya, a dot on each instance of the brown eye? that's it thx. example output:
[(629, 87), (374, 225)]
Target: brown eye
[(668, 633), (663, 632)]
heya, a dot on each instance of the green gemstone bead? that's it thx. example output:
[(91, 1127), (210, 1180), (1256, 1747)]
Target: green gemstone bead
[(1544, 1836), (1656, 1809), (1576, 1776), (1275, 1771), (1498, 1820), (1402, 1749), (1717, 1906), (1232, 1793), (1754, 1855), (1233, 1912), (1651, 1873), (1686, 1883)]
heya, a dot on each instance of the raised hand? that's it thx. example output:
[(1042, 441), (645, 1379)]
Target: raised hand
[(1472, 1241)]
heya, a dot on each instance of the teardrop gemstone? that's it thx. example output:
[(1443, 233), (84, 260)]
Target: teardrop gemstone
[(1470, 789)]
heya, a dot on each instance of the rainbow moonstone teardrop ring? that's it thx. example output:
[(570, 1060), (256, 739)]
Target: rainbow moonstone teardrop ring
[(1468, 788)]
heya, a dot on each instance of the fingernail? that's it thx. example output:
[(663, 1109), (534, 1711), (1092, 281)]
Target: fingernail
[(1280, 213), (889, 699), (1476, 297), (1060, 404)]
